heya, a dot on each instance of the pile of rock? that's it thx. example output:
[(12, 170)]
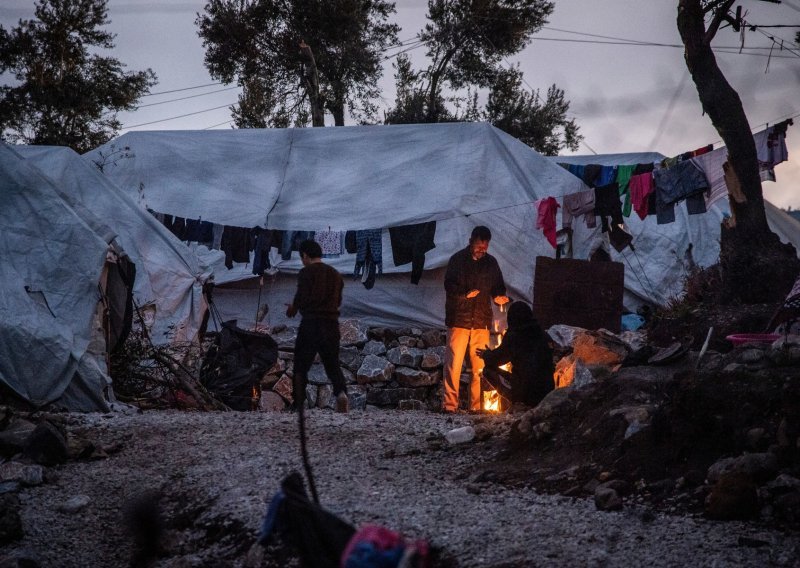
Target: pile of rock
[(388, 368), (719, 434)]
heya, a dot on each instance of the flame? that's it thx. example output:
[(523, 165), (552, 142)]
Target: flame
[(491, 401)]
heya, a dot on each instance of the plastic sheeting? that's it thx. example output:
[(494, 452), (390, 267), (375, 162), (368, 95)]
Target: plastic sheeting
[(169, 278), (349, 178), (51, 262)]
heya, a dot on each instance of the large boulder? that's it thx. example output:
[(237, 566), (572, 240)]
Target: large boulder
[(600, 348), (405, 356), (374, 369), (407, 377)]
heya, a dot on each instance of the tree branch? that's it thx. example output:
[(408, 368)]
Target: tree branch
[(716, 20)]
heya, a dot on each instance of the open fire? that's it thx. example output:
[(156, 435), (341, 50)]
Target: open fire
[(491, 398)]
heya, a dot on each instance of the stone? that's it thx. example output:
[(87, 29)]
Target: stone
[(411, 404), (10, 519), (751, 356), (407, 341), (550, 404), (284, 388), (46, 445), (787, 506), (349, 377), (317, 375), (12, 439), (352, 332), (599, 348), (606, 499), (374, 348), (460, 435), (407, 377), (75, 504), (350, 358), (358, 397), (285, 338), (311, 395), (733, 497), (405, 356), (392, 397), (758, 466), (26, 474), (433, 358), (433, 337), (325, 396), (271, 402), (374, 369)]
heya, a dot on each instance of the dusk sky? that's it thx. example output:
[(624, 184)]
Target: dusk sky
[(620, 63)]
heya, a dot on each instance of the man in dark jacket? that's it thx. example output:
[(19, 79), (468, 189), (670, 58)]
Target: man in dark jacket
[(318, 297), (526, 346), (472, 280)]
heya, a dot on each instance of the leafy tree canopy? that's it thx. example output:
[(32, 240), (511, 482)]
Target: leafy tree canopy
[(256, 43), (468, 41), (64, 95)]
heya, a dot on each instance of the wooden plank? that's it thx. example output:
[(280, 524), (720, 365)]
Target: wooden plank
[(580, 293)]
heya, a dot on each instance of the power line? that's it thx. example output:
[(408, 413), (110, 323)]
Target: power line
[(175, 117), (183, 89), (189, 97)]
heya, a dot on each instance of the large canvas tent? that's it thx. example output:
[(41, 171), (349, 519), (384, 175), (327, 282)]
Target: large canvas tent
[(168, 288), (662, 255), (53, 267), (349, 178)]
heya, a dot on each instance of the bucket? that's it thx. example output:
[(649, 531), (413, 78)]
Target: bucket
[(762, 338)]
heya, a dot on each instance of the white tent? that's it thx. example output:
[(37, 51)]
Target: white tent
[(169, 276), (349, 178), (656, 269), (52, 261)]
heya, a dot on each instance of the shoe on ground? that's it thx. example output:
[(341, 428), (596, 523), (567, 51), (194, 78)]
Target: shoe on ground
[(342, 402)]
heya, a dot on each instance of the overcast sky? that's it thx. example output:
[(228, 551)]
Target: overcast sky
[(626, 94)]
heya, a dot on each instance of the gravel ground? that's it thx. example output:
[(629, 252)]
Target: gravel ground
[(217, 472)]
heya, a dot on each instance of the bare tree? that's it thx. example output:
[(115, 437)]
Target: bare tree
[(755, 266)]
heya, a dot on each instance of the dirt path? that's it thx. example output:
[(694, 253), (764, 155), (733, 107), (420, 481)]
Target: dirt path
[(217, 472)]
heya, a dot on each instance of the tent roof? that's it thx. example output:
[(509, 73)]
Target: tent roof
[(355, 177), (169, 274), (52, 256)]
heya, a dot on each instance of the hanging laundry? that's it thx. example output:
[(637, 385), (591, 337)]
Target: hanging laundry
[(216, 236), (590, 174), (368, 278), (262, 240), (291, 241), (608, 174), (578, 203), (368, 241), (641, 187), (236, 245), (732, 183), (350, 244), (546, 218), (329, 241), (704, 150), (199, 231), (623, 178), (711, 165), (410, 243), (607, 204), (178, 227), (771, 149), (684, 180)]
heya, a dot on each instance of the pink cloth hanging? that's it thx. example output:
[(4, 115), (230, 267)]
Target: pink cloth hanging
[(641, 186), (546, 218)]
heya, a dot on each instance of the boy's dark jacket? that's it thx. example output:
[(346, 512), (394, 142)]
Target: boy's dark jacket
[(525, 345)]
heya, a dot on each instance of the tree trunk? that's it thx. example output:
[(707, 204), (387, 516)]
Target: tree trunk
[(750, 253), (311, 79)]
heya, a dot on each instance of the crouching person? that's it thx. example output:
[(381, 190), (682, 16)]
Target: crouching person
[(318, 298), (525, 345)]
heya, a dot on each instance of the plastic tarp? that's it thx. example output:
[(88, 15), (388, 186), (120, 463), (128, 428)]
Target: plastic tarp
[(51, 262), (460, 175), (169, 276)]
